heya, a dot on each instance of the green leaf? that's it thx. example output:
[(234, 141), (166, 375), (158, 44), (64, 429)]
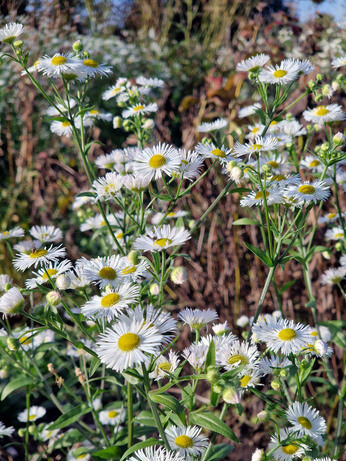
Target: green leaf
[(139, 446), (219, 452), (86, 194), (262, 115), (108, 453), (244, 222), (95, 363), (286, 286), (306, 372), (70, 417), (260, 254), (210, 360), (15, 384), (164, 197), (170, 402), (212, 422), (239, 190)]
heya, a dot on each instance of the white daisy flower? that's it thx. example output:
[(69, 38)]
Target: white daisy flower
[(156, 454), (243, 321), (289, 448), (114, 416), (83, 456), (325, 334), (115, 90), (46, 234), (47, 434), (190, 164), (249, 110), (42, 256), (108, 186), (306, 420), (285, 72), (221, 342), (134, 271), (196, 355), (152, 162), (238, 354), (11, 302), (260, 145), (282, 335), (307, 192), (336, 233), (126, 345), (196, 318), (187, 441), (253, 64), (33, 414), (26, 246), (139, 109), (10, 32), (78, 202), (97, 222), (172, 215), (211, 151), (330, 217), (61, 128), (109, 305), (324, 114), (5, 431), (257, 198), (13, 233), (5, 280), (217, 124), (91, 68), (150, 82), (268, 365), (304, 67), (311, 162), (52, 111), (165, 365), (53, 269), (30, 340), (58, 65), (135, 183), (104, 271), (250, 378), (95, 114), (108, 161), (339, 62), (254, 130), (162, 238), (292, 128), (332, 276)]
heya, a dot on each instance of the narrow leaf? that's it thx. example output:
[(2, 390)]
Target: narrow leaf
[(245, 222), (260, 254), (139, 446), (15, 384), (212, 422), (69, 417)]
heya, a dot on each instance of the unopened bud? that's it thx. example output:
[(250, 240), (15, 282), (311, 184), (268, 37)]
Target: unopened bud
[(13, 344), (212, 375), (117, 122), (243, 321), (7, 287), (127, 124), (328, 91), (231, 165), (311, 85), (305, 363), (63, 282), (325, 147), (283, 373), (275, 384), (267, 168), (335, 85), (31, 429), (133, 257), (321, 348), (307, 458), (338, 139), (338, 246), (231, 395), (18, 43), (237, 173), (154, 289), (319, 77), (218, 388), (179, 275), (78, 46), (221, 329), (21, 432), (318, 97), (149, 124), (50, 368), (86, 55), (263, 416), (53, 298)]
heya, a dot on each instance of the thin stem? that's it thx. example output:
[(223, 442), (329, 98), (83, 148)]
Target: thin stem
[(129, 415)]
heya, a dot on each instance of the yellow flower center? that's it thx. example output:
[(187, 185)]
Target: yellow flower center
[(90, 63), (116, 90), (110, 299), (274, 122), (259, 194), (162, 242), (304, 422), (58, 60), (107, 273), (237, 358), (82, 456), (314, 163), (254, 130), (139, 107), (128, 342), (256, 147), (290, 449), (218, 153), (31, 417), (245, 380), (94, 112), (339, 235), (171, 214), (157, 161), (165, 366), (306, 189), (273, 164), (278, 177), (321, 110), (184, 441), (50, 272), (120, 235), (129, 270), (38, 254), (65, 123), (280, 73), (110, 189), (314, 333), (287, 334), (331, 215), (112, 414), (25, 340)]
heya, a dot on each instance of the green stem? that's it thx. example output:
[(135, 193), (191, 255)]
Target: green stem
[(129, 415), (213, 437)]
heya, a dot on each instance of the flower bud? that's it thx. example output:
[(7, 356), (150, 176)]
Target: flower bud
[(318, 97), (231, 395), (283, 373), (149, 124), (78, 46), (63, 282), (263, 416), (231, 165), (319, 77), (179, 275), (305, 363), (218, 387), (221, 329), (31, 429), (257, 455), (133, 257), (311, 85), (53, 298), (321, 348), (267, 168), (338, 246), (21, 432), (7, 287), (325, 147), (86, 55), (13, 344), (275, 384), (243, 321), (252, 75), (237, 173), (212, 375), (18, 43), (154, 289), (117, 122), (206, 140), (338, 139), (127, 124), (328, 91)]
